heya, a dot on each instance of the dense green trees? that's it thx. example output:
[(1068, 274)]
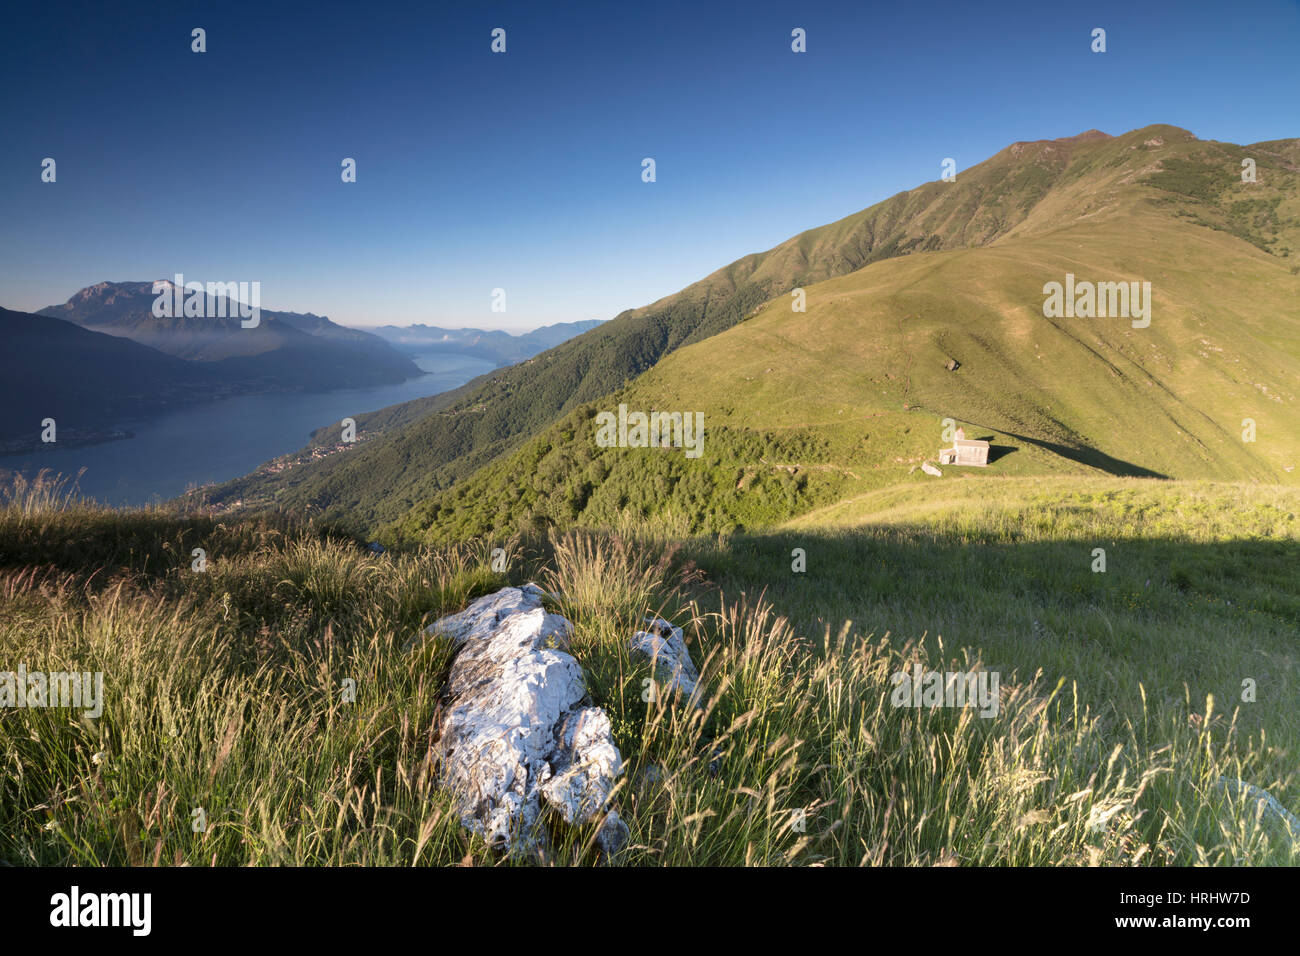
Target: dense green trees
[(562, 479)]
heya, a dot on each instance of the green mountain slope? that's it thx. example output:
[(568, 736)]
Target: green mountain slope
[(803, 410), (1026, 196), (84, 380), (999, 197)]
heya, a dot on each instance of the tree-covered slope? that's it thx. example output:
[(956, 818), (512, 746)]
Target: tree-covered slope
[(84, 380)]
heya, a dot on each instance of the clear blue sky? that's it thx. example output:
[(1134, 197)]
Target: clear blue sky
[(523, 170)]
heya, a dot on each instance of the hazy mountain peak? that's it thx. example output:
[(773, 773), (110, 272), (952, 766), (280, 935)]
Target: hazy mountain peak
[(284, 348)]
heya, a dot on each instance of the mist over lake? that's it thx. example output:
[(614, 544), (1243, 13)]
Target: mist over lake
[(224, 439)]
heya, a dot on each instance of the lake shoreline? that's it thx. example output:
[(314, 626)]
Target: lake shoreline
[(167, 457), (78, 439)]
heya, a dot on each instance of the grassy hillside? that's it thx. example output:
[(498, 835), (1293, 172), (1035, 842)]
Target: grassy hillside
[(803, 409), (1027, 190), (222, 688)]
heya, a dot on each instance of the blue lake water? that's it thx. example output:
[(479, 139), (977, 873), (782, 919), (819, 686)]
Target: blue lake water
[(224, 439)]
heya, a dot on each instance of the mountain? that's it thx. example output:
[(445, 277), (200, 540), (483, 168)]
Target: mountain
[(494, 345), (807, 408), (86, 381), (285, 350)]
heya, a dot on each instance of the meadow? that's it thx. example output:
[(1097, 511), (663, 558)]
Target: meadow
[(1120, 702)]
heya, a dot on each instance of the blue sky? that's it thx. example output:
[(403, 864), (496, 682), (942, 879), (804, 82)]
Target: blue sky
[(522, 170)]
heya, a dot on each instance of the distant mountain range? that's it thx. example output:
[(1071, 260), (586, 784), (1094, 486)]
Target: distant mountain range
[(500, 347), (286, 350), (103, 357)]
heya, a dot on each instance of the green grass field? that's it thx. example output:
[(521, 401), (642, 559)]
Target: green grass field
[(1119, 709)]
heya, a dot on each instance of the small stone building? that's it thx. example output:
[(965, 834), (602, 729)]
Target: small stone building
[(965, 452)]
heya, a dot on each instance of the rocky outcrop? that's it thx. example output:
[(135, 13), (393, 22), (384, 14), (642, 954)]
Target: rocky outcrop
[(663, 645), (515, 734)]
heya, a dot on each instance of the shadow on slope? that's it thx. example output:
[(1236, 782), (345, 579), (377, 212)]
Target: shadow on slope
[(1181, 618), (1080, 454)]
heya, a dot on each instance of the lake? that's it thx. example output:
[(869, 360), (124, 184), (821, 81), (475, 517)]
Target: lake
[(224, 439)]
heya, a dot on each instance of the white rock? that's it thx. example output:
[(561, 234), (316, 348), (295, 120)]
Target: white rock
[(583, 773), (929, 469), (514, 732), (668, 654), (482, 616)]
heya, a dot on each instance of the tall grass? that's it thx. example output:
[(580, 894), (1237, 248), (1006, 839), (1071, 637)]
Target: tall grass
[(227, 737)]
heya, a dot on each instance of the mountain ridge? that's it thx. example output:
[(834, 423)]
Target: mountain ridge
[(1028, 190), (87, 381)]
